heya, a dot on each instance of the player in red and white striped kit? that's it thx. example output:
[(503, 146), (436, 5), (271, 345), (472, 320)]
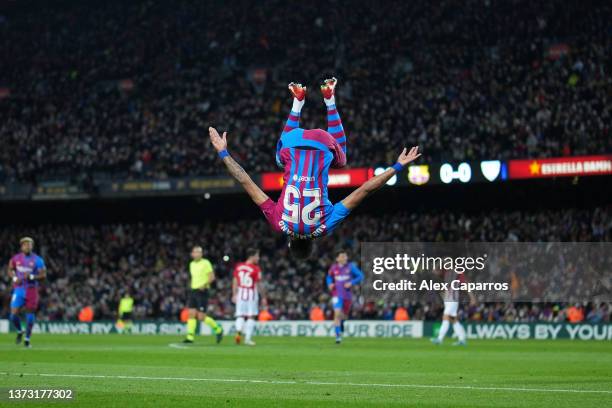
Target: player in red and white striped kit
[(246, 286), (451, 309)]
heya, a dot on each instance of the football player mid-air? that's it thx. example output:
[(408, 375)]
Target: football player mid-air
[(304, 211)]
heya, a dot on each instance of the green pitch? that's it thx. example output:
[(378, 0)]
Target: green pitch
[(134, 371)]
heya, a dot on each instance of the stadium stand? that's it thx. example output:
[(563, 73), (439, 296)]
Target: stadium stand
[(89, 265), (126, 92)]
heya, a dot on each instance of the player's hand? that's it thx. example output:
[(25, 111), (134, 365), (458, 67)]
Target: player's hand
[(234, 299), (348, 285), (220, 143), (331, 287), (408, 156), (264, 302)]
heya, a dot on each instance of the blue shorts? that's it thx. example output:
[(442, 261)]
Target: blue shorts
[(27, 297), (342, 304), (19, 297), (318, 139)]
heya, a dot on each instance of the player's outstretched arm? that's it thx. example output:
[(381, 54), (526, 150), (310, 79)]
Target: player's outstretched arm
[(252, 189), (373, 184)]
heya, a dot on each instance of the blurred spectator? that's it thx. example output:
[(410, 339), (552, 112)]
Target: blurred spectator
[(575, 314), (92, 265), (126, 90), (401, 314), (316, 314), (265, 316), (86, 314)]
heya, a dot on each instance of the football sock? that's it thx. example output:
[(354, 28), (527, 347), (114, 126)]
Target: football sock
[(297, 105), (337, 328), (30, 319), (239, 324), (443, 329), (210, 322), (334, 123), (293, 121), (459, 331), (192, 323), (16, 322), (248, 331)]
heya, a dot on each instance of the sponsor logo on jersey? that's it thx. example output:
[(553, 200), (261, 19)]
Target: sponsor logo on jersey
[(341, 277), (303, 178), (23, 268)]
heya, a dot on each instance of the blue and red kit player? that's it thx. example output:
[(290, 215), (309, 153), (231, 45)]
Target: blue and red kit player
[(341, 277), (303, 210), (26, 269)]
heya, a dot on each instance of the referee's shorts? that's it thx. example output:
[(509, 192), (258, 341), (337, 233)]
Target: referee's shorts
[(198, 299), (126, 316)]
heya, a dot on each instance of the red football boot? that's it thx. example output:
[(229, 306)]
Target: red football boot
[(298, 91), (328, 87)]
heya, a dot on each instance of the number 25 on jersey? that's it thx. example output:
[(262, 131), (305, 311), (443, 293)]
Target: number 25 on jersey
[(310, 214)]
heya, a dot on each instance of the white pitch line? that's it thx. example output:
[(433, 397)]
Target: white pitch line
[(178, 346), (348, 384)]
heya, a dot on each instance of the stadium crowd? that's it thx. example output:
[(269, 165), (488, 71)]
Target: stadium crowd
[(125, 90), (95, 265)]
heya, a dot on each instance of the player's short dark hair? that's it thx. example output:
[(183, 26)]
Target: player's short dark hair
[(341, 251), (251, 252), (300, 248)]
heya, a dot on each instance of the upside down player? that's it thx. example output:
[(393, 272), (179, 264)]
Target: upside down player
[(341, 277), (304, 211), (26, 269)]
